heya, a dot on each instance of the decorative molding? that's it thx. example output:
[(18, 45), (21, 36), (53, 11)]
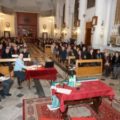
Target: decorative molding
[(6, 10)]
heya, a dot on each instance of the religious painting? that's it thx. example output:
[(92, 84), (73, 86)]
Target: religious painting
[(90, 3), (94, 20)]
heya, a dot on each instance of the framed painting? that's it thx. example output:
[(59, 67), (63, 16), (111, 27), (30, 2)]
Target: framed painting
[(94, 20), (90, 3)]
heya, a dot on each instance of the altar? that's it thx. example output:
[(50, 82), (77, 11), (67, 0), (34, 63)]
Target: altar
[(88, 92)]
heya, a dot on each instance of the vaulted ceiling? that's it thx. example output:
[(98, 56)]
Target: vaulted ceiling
[(44, 7)]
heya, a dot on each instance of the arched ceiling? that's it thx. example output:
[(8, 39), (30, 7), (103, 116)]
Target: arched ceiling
[(44, 7)]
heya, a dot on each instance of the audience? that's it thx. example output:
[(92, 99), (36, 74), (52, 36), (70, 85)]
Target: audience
[(63, 50)]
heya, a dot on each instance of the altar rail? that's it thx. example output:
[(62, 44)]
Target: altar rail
[(86, 68)]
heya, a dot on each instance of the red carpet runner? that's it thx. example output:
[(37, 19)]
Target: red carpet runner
[(36, 109)]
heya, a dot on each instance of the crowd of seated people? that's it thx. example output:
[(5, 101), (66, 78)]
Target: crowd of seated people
[(111, 61), (48, 41), (8, 48)]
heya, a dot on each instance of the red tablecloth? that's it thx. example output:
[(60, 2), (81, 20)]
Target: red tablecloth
[(87, 90), (42, 73)]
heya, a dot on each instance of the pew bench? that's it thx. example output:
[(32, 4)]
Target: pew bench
[(3, 60), (87, 68)]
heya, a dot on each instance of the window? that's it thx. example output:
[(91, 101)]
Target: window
[(90, 3)]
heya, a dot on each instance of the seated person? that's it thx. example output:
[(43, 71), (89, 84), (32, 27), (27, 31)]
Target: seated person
[(6, 83), (15, 50), (6, 53), (116, 65), (25, 53), (19, 69)]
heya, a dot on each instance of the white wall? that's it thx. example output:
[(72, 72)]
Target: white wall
[(102, 32), (85, 15), (5, 18), (49, 22), (105, 10)]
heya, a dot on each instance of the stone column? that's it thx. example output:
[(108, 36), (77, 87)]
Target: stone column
[(101, 33), (81, 29)]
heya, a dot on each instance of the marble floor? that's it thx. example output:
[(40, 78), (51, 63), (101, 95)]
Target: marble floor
[(11, 107)]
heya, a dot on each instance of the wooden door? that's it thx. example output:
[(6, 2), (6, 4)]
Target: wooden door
[(88, 33)]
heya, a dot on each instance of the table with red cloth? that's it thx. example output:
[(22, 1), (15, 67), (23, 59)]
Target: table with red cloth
[(41, 73), (88, 90)]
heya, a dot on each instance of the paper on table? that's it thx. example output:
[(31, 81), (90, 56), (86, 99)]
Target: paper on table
[(4, 78), (88, 80), (63, 90), (33, 67), (15, 55), (51, 108)]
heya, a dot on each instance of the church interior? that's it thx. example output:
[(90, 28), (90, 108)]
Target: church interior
[(59, 59)]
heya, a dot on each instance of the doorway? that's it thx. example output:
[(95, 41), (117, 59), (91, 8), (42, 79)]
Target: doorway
[(88, 33)]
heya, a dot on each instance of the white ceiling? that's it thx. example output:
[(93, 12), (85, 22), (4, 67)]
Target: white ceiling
[(44, 7)]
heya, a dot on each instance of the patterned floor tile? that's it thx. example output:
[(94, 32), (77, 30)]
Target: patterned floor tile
[(1, 107), (19, 105), (20, 95), (19, 118)]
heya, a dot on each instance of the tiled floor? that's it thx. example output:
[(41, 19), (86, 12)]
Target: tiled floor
[(11, 107)]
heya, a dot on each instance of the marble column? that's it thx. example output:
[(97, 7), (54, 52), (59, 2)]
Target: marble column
[(101, 33), (82, 13)]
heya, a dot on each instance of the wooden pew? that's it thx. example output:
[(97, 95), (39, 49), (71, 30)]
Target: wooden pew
[(86, 68), (5, 70), (2, 60)]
